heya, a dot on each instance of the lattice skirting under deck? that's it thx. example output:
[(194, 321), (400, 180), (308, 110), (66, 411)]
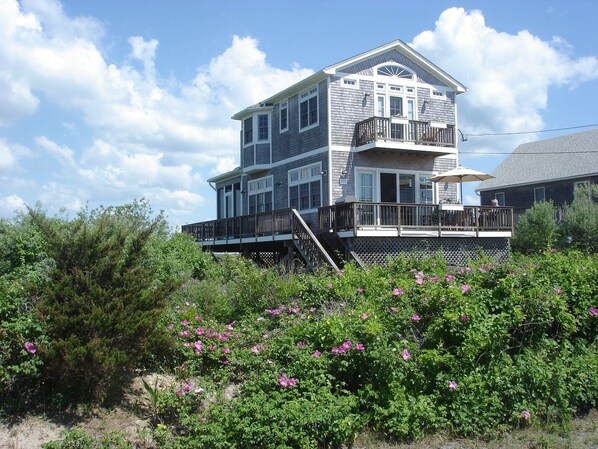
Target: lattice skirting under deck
[(456, 250)]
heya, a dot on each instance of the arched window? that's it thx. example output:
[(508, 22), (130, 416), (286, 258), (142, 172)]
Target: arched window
[(396, 71)]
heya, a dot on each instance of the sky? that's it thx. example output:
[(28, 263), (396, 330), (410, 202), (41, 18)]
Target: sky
[(103, 102)]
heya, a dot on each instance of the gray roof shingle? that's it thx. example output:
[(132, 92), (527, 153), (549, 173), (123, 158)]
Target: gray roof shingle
[(570, 156)]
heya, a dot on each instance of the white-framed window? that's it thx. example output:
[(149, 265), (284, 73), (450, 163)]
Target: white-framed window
[(390, 186), (259, 195), (396, 71), (365, 186), (284, 116), (438, 94), (426, 190), (248, 131), (393, 100), (305, 187), (350, 83), (500, 196), (308, 109), (263, 127), (539, 194)]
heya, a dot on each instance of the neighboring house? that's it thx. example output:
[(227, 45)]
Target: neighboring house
[(544, 170), (348, 151)]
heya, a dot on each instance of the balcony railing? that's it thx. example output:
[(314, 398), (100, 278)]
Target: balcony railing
[(377, 129), (406, 218)]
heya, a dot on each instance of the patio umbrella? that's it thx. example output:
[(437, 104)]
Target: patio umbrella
[(461, 174)]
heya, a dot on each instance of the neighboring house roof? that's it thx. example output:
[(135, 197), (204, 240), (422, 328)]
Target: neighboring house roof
[(321, 75), (565, 157)]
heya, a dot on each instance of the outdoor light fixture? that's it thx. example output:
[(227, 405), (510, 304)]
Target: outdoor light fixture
[(323, 172)]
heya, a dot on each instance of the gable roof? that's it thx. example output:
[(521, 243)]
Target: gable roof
[(565, 157), (321, 75)]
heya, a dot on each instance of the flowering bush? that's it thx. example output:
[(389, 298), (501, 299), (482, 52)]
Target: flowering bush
[(264, 360)]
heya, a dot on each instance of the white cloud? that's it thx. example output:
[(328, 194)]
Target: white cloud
[(7, 160), (9, 205), (508, 76), (148, 136)]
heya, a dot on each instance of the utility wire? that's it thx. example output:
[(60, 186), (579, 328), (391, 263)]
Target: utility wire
[(528, 132), (528, 152)]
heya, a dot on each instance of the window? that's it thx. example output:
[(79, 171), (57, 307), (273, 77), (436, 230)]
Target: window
[(262, 127), (426, 190), (248, 130), (500, 196), (305, 187), (437, 93), (539, 194), (308, 108), (395, 71), (365, 186), (260, 195), (284, 116), (351, 83)]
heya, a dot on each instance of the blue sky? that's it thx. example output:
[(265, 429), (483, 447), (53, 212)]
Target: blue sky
[(105, 101)]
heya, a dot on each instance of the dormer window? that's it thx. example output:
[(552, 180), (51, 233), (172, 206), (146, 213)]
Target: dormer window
[(396, 71)]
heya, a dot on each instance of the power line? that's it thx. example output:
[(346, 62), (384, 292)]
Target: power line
[(528, 132), (529, 152)]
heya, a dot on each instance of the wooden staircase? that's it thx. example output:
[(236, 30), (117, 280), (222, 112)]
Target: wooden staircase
[(309, 246)]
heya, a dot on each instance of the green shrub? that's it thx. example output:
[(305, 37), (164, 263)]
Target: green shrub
[(536, 230), (580, 222), (104, 299)]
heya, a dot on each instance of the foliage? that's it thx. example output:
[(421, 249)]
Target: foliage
[(580, 223), (407, 350), (268, 360), (537, 230), (24, 269), (100, 307)]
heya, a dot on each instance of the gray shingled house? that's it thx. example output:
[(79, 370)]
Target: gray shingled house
[(544, 170), (337, 167)]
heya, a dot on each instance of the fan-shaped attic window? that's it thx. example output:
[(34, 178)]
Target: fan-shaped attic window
[(396, 71)]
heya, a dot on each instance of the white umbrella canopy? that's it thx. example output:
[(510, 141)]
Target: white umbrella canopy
[(461, 174)]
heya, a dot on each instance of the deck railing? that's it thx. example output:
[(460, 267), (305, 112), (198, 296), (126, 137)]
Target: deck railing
[(389, 129), (358, 216), (414, 217), (258, 225)]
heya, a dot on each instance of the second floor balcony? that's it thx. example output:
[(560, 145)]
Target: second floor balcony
[(401, 134)]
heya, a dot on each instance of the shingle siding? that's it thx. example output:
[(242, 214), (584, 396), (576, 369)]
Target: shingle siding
[(441, 109), (349, 106), (293, 142), (522, 197)]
